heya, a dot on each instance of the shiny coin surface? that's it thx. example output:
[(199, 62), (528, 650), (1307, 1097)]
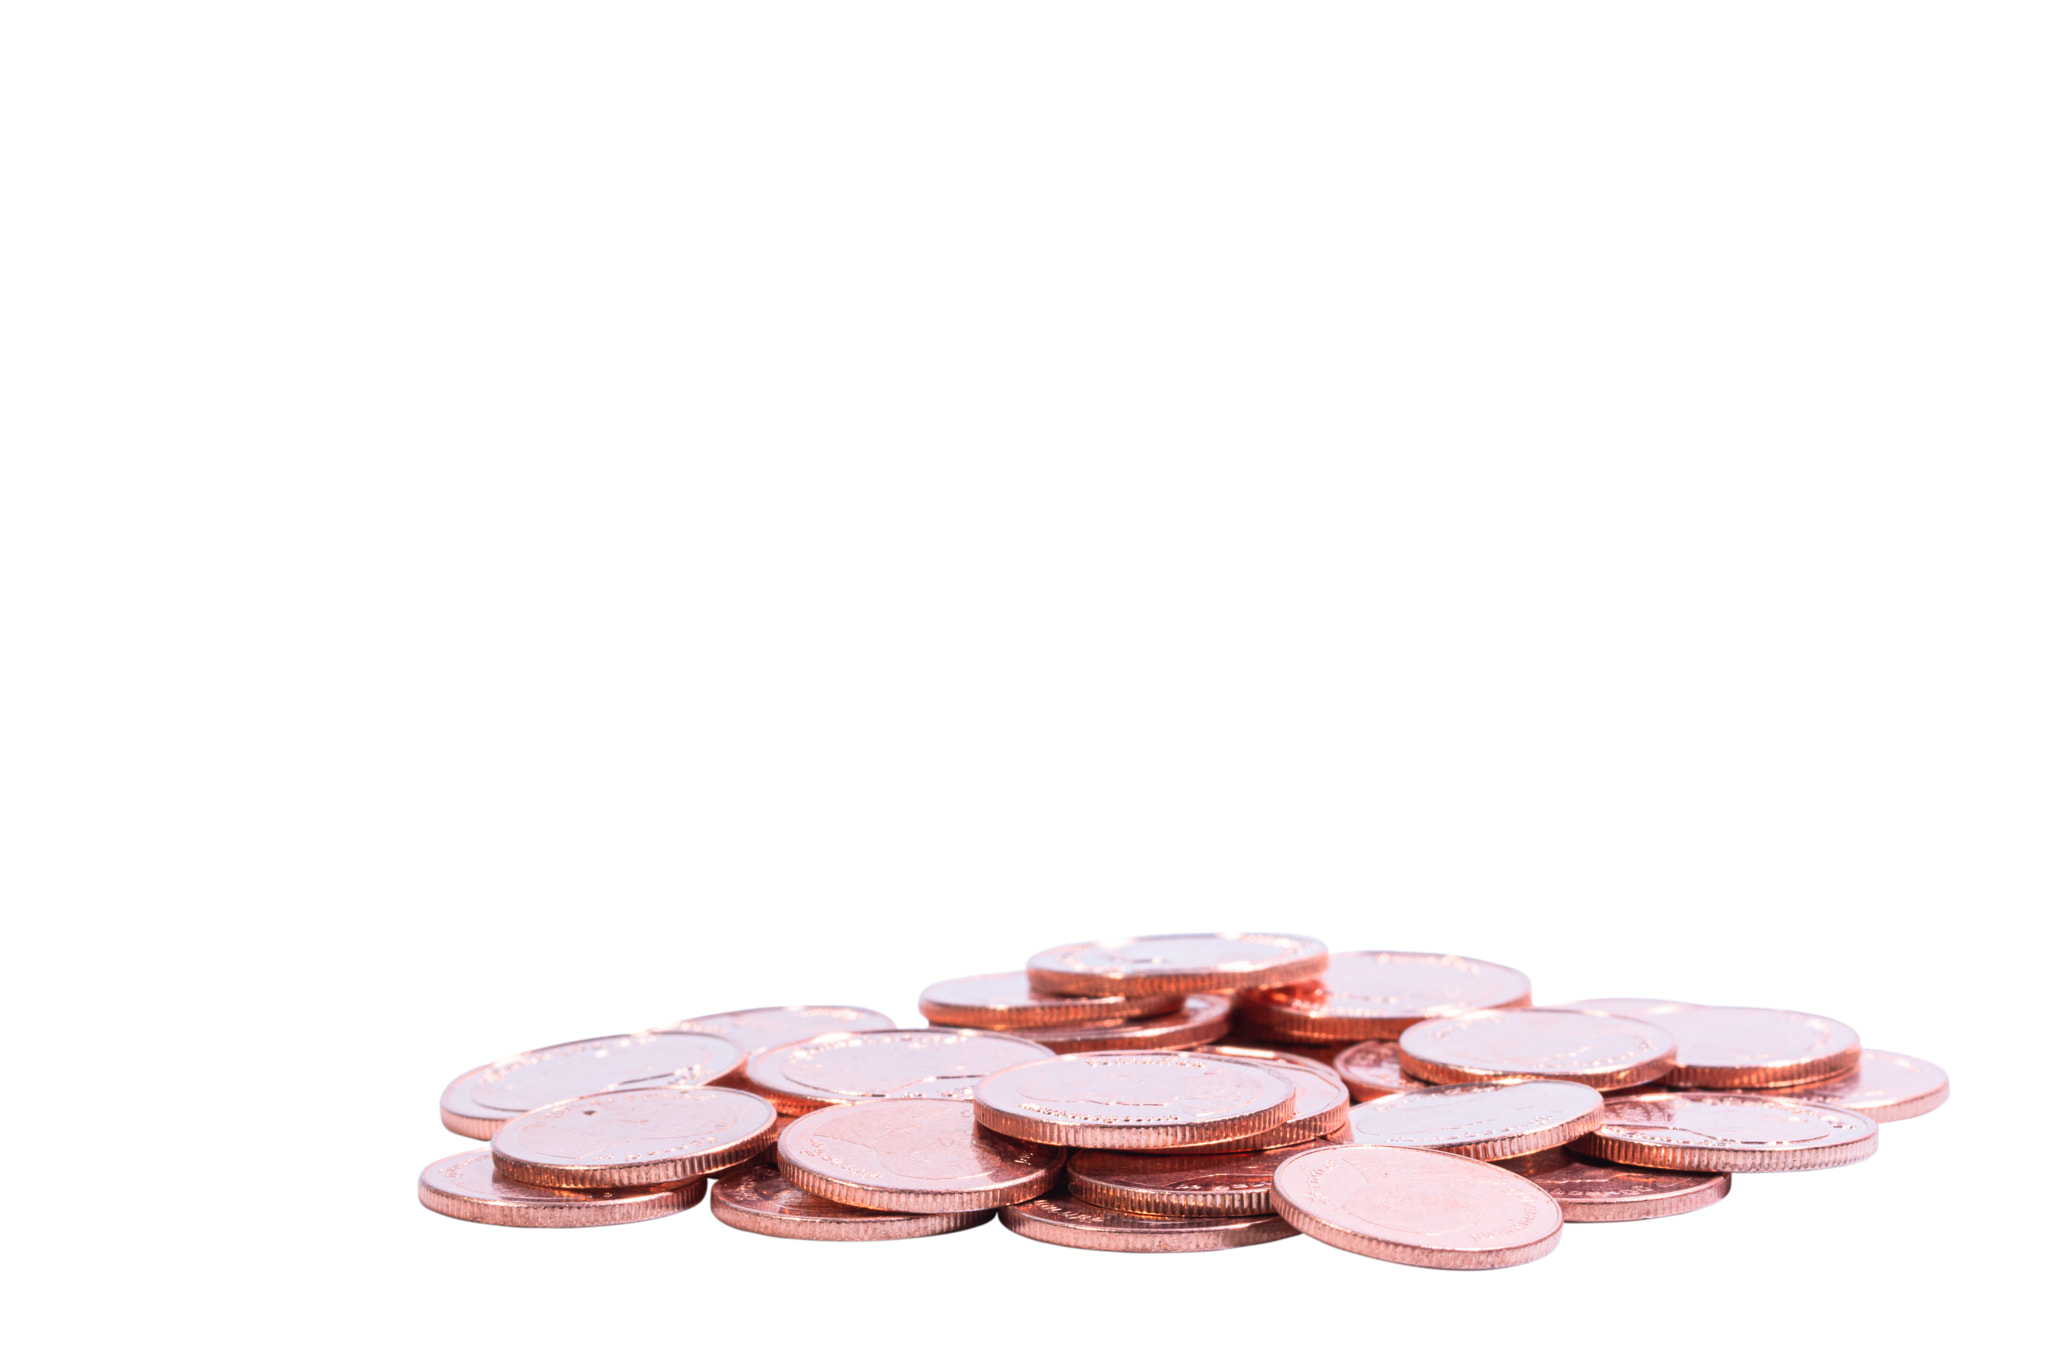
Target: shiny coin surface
[(1178, 1184), (468, 1187), (1134, 1099), (1069, 1222), (1201, 1019), (1723, 1047), (1594, 1191), (481, 1101), (1379, 994), (757, 1030), (844, 1068), (1886, 1086), (1701, 1130), (1179, 964), (1373, 1069), (1005, 1000), (1326, 1053), (634, 1137), (1604, 1051), (913, 1156), (1417, 1207), (756, 1198), (1322, 1106), (1485, 1121)]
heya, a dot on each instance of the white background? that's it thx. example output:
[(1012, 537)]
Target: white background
[(526, 521)]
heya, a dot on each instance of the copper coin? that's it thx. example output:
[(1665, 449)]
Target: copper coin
[(1604, 1051), (481, 1101), (1322, 1106), (1417, 1207), (1178, 1184), (1133, 1099), (1379, 994), (1373, 1069), (1005, 1000), (1722, 1047), (844, 1068), (756, 1198), (1593, 1191), (913, 1156), (634, 1137), (1176, 964), (757, 1030), (1886, 1086), (1202, 1019), (1488, 1121), (1703, 1130), (1069, 1222), (1314, 1052), (466, 1186)]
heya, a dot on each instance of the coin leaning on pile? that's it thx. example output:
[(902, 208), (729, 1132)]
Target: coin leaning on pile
[(1182, 1092)]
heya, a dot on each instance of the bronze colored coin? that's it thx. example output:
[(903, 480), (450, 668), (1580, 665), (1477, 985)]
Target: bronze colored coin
[(1069, 1222), (634, 1137), (1133, 1099), (1176, 964), (756, 1198), (1379, 994), (1202, 1019), (1594, 1191), (1314, 1052), (913, 1156), (845, 1068), (484, 1099), (1417, 1207), (1722, 1047), (1484, 1121), (1179, 1184), (1704, 1130), (1005, 1000), (1886, 1086), (466, 1186), (1373, 1069), (1604, 1051), (1322, 1106), (757, 1030)]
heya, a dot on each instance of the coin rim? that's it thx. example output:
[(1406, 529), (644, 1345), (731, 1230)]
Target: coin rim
[(865, 1225), (1434, 1258), (1171, 1234), (866, 1196), (556, 1212), (1558, 1134), (1073, 1009), (1118, 1137), (577, 1175), (1734, 1161), (1187, 981), (797, 1104), (1448, 1073), (1305, 1025), (484, 1127)]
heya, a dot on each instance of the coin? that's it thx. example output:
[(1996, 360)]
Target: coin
[(1133, 1099), (757, 1030), (913, 1156), (1322, 1106), (1005, 1000), (756, 1198), (1069, 1222), (1722, 1047), (1178, 964), (1379, 994), (1314, 1052), (1487, 1121), (1886, 1086), (484, 1099), (1604, 1051), (1416, 1207), (466, 1186), (1179, 1184), (1702, 1130), (1593, 1191), (1372, 1069), (634, 1137), (842, 1068), (1201, 1019)]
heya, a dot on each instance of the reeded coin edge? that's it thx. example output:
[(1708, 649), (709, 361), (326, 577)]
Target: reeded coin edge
[(1769, 1076), (1047, 1014), (869, 1226), (595, 1213), (1440, 1073), (1558, 1134), (1737, 1161), (1136, 1034), (1433, 1258), (1635, 1208), (1166, 1238), (861, 1196), (562, 1177), (1316, 1024), (1171, 1203)]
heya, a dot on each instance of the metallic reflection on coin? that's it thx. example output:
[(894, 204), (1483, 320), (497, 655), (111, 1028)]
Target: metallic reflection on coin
[(1322, 1106), (1417, 1207), (1379, 994), (1005, 1000), (757, 1030), (1886, 1086), (845, 1068), (1372, 1069), (1594, 1191), (1724, 1047), (1314, 1052), (913, 1156), (1179, 964), (1134, 1099), (481, 1101), (1704, 1130), (755, 1198), (1604, 1051), (1484, 1121), (634, 1137), (1178, 1184), (1202, 1019), (1069, 1222), (466, 1186)]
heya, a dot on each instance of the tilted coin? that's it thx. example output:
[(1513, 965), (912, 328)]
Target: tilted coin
[(1593, 1191), (1487, 1121), (755, 1198), (1604, 1051), (1704, 1130), (1133, 1099), (1724, 1047), (1886, 1086), (484, 1099), (1201, 1019), (913, 1156), (1005, 1000), (1179, 1184), (845, 1068), (1417, 1207), (634, 1137), (1069, 1222), (1179, 964), (1372, 1069), (468, 1187), (1322, 1106), (757, 1030), (1379, 994), (1326, 1053)]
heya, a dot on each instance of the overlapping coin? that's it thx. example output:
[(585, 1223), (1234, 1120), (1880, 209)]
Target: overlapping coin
[(1488, 1121), (1380, 994), (1590, 1190), (756, 1198), (1006, 1000), (1199, 1019), (1134, 1099), (1066, 1221), (1705, 1130), (1179, 1184), (913, 1156), (1605, 1051), (1885, 1086), (846, 1068), (1417, 1207), (1372, 1069), (634, 1137), (467, 1186), (484, 1099), (1180, 964), (1322, 1105), (759, 1029)]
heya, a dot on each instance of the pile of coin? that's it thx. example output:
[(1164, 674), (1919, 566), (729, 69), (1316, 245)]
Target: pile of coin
[(1186, 1092)]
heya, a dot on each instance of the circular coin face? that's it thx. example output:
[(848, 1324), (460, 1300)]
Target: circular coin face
[(913, 1156), (1885, 1086), (481, 1101), (1379, 994), (1722, 1047), (1484, 1121), (1069, 1222), (1134, 1099), (1178, 964), (757, 1030), (466, 1186), (634, 1137), (1201, 1019), (755, 1198), (1708, 1131), (1604, 1051), (1322, 1106), (1178, 1184), (1417, 1207), (1373, 1069), (1005, 1000), (845, 1068), (1594, 1191)]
